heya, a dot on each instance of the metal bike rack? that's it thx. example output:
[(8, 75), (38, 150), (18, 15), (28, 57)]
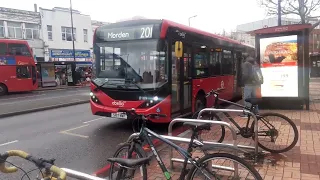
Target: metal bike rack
[(218, 145), (256, 148), (80, 175)]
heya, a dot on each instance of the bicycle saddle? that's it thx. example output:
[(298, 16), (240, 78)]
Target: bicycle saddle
[(253, 101), (130, 162)]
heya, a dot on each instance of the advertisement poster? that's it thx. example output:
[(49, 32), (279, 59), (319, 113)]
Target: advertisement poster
[(279, 57), (7, 60), (48, 75)]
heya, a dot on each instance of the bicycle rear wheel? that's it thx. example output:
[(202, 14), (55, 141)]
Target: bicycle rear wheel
[(136, 153), (268, 126), (205, 164)]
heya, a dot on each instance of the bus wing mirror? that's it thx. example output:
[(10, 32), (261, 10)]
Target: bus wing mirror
[(178, 49)]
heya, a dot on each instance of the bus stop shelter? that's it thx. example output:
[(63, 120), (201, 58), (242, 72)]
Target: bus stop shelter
[(283, 55)]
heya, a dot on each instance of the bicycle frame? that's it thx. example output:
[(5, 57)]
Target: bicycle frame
[(251, 109), (144, 134)]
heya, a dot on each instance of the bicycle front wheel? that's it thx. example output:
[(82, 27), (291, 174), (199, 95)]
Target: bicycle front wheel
[(223, 166), (218, 132), (276, 132), (123, 152)]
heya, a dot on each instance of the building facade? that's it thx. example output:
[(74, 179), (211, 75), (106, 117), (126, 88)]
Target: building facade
[(25, 25), (57, 35)]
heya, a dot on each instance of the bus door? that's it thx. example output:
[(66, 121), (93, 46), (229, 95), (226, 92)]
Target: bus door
[(186, 82), (181, 94), (34, 77), (24, 78), (237, 61)]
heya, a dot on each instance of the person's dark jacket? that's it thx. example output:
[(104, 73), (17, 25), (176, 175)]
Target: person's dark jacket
[(247, 72)]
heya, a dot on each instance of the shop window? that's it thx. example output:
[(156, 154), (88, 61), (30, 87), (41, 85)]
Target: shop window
[(23, 72)]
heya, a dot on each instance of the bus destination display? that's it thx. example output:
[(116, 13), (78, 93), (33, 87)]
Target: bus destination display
[(139, 32)]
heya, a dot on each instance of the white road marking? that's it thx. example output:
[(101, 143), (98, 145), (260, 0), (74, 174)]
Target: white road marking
[(94, 120), (73, 134), (7, 143)]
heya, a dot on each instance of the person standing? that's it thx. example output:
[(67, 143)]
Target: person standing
[(252, 79)]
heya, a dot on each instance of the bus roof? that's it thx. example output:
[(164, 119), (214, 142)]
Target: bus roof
[(14, 41), (165, 24)]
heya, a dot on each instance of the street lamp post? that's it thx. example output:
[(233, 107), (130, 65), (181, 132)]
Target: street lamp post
[(73, 48), (191, 17)]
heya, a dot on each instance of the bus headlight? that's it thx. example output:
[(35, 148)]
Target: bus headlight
[(94, 98), (150, 102), (155, 98)]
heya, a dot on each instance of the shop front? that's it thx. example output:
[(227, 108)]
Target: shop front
[(64, 71)]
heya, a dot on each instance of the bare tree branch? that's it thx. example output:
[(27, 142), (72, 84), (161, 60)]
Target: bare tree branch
[(315, 25), (305, 9)]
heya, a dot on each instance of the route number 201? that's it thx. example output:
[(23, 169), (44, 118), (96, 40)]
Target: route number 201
[(146, 32)]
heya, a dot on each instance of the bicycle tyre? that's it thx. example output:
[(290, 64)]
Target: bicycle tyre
[(207, 157), (285, 118), (212, 117), (137, 150)]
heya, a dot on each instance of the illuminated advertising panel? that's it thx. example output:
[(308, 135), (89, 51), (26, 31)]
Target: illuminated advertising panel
[(278, 58)]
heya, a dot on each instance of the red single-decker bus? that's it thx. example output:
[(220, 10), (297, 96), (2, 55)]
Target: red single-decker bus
[(17, 67), (136, 67)]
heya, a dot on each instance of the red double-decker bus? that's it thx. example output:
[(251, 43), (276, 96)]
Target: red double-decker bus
[(17, 67), (136, 66)]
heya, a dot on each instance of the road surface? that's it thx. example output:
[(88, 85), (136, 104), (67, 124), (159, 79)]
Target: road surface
[(39, 99), (72, 135)]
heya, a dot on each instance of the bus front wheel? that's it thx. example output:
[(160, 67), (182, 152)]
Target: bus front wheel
[(3, 89), (200, 103)]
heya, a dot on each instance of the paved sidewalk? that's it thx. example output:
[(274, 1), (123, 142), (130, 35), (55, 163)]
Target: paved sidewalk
[(302, 162), (62, 87)]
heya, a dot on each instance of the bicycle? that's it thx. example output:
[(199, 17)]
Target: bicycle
[(247, 131), (51, 172), (134, 148)]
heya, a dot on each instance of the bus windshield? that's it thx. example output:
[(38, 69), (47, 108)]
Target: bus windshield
[(137, 60)]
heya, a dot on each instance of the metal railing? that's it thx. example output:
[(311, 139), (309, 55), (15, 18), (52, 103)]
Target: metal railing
[(233, 146), (80, 175)]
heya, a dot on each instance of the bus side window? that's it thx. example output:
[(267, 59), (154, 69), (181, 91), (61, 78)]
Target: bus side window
[(23, 72), (18, 49), (215, 63), (201, 62), (227, 63), (3, 48)]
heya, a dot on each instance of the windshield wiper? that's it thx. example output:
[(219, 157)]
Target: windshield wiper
[(132, 82)]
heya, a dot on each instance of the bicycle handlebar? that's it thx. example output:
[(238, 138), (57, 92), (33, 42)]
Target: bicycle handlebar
[(216, 95), (39, 162), (133, 112)]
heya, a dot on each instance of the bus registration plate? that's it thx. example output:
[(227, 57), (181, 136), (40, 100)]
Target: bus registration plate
[(121, 115)]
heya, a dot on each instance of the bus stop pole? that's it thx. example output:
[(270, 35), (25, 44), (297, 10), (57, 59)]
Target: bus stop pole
[(306, 59)]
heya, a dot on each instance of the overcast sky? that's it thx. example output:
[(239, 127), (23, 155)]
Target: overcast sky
[(212, 15)]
